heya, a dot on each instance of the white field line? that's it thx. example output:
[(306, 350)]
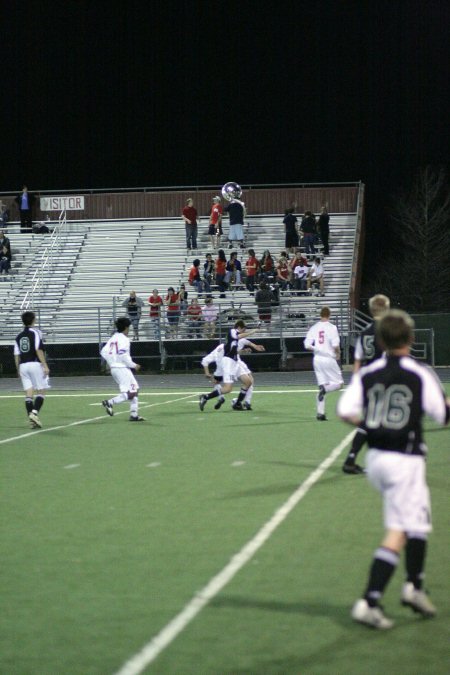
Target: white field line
[(157, 644), (36, 432), (163, 393)]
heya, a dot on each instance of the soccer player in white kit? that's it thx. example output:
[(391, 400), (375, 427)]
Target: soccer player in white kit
[(116, 353), (323, 339), (390, 396)]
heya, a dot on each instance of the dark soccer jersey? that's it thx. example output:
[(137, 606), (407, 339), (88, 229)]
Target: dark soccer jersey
[(236, 213), (393, 393), (231, 345), (27, 342), (367, 348)]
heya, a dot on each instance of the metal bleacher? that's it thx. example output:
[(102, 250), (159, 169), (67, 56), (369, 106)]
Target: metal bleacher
[(99, 262)]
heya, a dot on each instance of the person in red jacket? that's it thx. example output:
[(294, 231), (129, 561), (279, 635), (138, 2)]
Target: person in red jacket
[(189, 215), (251, 267), (173, 310)]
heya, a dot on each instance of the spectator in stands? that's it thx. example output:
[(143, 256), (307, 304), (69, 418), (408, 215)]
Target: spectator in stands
[(4, 241), (263, 299), (215, 222), (5, 259), (210, 314), (309, 231), (297, 259), (189, 215), (290, 229), (194, 318), (173, 311), (251, 267), (208, 272), (4, 214), (220, 268), (267, 267), (233, 270), (155, 301), (301, 271), (194, 276), (236, 211), (25, 201), (315, 276), (324, 229), (183, 299), (134, 306), (282, 270)]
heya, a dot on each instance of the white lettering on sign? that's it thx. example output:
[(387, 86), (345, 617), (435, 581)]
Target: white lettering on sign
[(70, 203)]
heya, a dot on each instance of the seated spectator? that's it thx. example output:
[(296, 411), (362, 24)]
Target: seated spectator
[(173, 310), (4, 214), (301, 272), (5, 259), (282, 277), (210, 314), (297, 259), (155, 301), (194, 318), (263, 299), (233, 270), (4, 241), (208, 273), (267, 267), (220, 270), (315, 276), (133, 306), (251, 267), (309, 231), (194, 276)]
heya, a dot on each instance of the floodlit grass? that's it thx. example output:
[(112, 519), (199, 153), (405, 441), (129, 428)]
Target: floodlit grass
[(108, 529)]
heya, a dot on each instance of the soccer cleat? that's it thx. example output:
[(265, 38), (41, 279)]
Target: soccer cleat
[(136, 418), (418, 600), (237, 406), (321, 418), (321, 394), (352, 468), (219, 403), (34, 420), (202, 402), (108, 407), (247, 406), (370, 616)]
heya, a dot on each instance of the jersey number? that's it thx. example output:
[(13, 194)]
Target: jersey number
[(113, 346), (369, 346), (321, 337), (24, 345), (388, 407)]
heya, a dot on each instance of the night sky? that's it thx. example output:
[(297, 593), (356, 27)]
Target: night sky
[(97, 95)]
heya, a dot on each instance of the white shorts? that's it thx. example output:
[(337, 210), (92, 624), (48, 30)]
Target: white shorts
[(125, 379), (242, 369), (401, 480), (32, 376), (327, 370), (229, 367)]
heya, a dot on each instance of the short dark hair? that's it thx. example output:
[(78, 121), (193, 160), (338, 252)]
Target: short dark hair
[(240, 323), (122, 323), (325, 312), (28, 318), (395, 329)]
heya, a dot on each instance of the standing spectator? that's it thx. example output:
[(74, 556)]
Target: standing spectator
[(391, 396), (31, 367), (323, 339), (251, 267), (233, 270), (155, 301), (194, 276), (324, 229), (173, 310), (309, 230), (290, 229), (267, 267), (4, 214), (25, 201), (220, 266), (134, 306), (208, 272), (183, 299), (189, 215), (315, 276), (215, 222), (116, 353), (210, 314), (263, 299), (236, 211), (194, 318)]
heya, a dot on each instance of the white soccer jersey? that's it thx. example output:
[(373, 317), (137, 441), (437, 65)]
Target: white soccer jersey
[(323, 337), (215, 356), (116, 352)]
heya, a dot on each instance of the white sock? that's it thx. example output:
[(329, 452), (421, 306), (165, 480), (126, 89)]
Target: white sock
[(134, 406), (248, 395)]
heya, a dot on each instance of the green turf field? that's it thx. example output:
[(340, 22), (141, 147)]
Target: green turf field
[(109, 529)]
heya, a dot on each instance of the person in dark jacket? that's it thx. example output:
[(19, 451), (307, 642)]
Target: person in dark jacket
[(25, 201), (324, 229)]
